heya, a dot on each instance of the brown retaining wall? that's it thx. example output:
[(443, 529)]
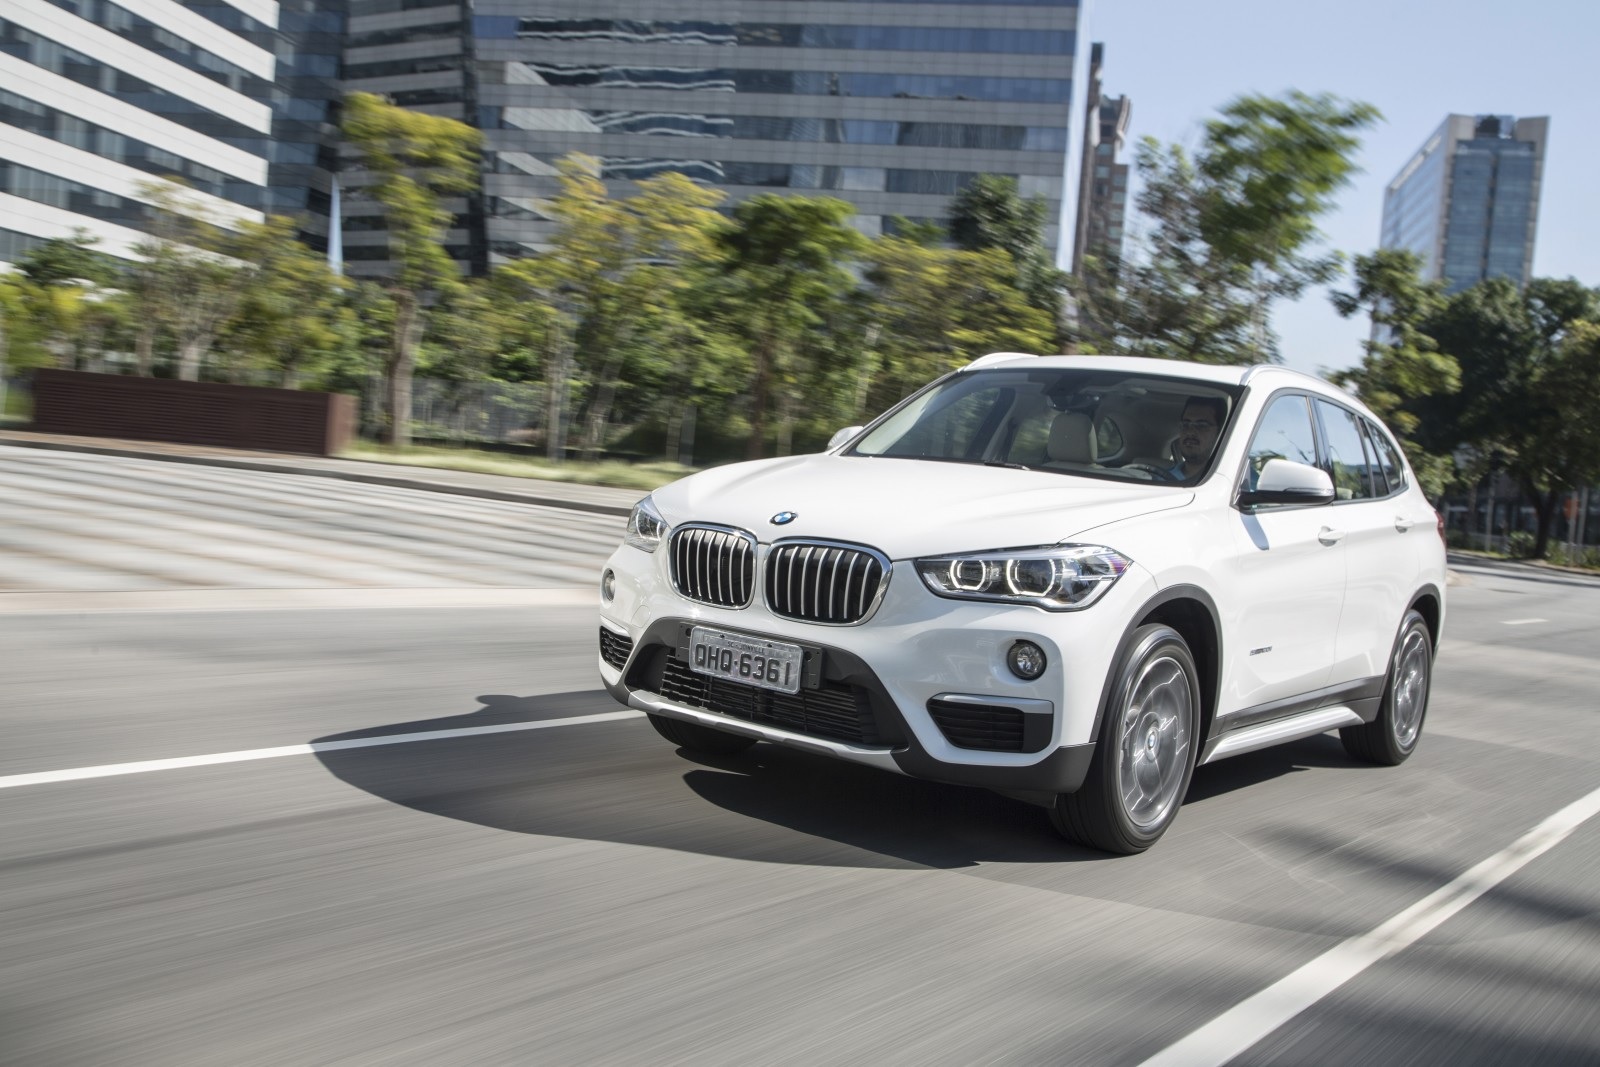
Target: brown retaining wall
[(193, 413)]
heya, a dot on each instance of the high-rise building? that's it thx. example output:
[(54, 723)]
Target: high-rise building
[(892, 105), (1468, 201), (1103, 185), (304, 153), (99, 98)]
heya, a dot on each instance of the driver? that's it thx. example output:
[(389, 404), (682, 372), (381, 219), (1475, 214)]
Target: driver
[(1197, 435)]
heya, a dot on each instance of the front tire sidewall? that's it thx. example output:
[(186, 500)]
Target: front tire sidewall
[(1096, 815)]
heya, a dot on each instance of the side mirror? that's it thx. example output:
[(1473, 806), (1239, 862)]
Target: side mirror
[(842, 436), (1284, 481)]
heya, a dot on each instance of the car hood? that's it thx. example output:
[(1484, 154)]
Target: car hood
[(907, 508)]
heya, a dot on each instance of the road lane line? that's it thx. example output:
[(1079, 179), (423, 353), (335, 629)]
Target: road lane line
[(165, 601), (1521, 622), (109, 770), (1240, 1027)]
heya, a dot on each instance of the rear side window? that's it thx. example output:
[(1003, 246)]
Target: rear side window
[(1349, 464)]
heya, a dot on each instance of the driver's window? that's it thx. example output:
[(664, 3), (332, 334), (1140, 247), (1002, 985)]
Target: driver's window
[(1284, 432)]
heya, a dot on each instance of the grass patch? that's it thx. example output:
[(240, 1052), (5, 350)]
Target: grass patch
[(18, 407), (645, 476), (1584, 559)]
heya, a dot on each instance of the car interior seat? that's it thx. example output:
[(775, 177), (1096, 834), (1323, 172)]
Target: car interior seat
[(1072, 440)]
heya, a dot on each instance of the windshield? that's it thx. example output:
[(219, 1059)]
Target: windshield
[(1098, 424)]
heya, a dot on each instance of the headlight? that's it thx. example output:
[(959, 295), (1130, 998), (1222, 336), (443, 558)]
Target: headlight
[(646, 527), (1054, 577)]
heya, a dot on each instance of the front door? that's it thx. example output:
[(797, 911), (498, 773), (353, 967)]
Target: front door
[(1287, 577)]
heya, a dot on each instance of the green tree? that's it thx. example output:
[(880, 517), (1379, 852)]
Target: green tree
[(616, 275), (1230, 230), (61, 291), (1401, 364), (20, 341), (989, 213), (536, 338), (185, 281), (787, 263), (63, 260), (935, 309), (411, 161), (1527, 364), (289, 317)]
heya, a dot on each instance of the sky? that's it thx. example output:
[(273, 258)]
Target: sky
[(1417, 62)]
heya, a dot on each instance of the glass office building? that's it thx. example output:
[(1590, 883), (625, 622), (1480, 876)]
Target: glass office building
[(1468, 202), (98, 98), (891, 105)]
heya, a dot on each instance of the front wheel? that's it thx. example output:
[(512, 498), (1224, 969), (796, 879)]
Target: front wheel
[(1146, 752), (1390, 738), (701, 739)]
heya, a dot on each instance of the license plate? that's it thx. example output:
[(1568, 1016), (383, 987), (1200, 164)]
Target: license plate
[(754, 661)]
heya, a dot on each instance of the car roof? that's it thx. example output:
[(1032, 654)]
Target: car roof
[(1169, 368)]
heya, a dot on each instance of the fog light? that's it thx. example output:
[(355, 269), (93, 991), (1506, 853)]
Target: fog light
[(608, 586), (1026, 660)]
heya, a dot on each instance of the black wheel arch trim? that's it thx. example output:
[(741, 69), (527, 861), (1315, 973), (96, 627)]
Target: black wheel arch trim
[(1159, 599), (1435, 626)]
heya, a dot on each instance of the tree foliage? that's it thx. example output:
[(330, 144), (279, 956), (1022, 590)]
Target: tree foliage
[(989, 213), (1401, 366), (933, 309), (627, 265), (290, 321), (1525, 402), (186, 282), (412, 162), (1229, 230), (785, 275), (57, 301)]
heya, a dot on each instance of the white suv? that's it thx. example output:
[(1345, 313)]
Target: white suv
[(1069, 579)]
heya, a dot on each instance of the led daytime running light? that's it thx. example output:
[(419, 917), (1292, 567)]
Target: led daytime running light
[(1053, 577)]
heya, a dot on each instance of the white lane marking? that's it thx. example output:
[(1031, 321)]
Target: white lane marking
[(1247, 1022), (1521, 622), (108, 770), (227, 599)]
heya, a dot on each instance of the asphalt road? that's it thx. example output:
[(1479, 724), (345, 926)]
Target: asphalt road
[(97, 523), (584, 893)]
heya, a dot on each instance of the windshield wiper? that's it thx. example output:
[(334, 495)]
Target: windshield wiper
[(1010, 466)]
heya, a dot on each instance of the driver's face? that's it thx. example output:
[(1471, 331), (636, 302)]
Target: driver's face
[(1197, 435)]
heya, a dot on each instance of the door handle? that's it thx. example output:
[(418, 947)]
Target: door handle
[(1402, 524), (1329, 536)]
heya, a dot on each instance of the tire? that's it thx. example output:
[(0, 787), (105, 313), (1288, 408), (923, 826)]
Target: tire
[(1132, 791), (701, 739), (1390, 739)]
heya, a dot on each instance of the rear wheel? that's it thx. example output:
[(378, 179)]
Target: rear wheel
[(1390, 738), (702, 739), (1146, 750)]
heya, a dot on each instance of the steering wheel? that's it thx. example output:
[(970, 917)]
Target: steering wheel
[(1156, 474)]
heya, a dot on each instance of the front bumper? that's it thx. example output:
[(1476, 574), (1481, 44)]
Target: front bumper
[(915, 650)]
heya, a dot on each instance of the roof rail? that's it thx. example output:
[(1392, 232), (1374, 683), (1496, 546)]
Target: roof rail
[(998, 357)]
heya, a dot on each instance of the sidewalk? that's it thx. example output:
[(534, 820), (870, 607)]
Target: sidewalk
[(598, 499)]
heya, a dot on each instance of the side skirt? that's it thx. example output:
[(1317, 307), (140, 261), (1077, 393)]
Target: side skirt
[(1267, 734), (1350, 704)]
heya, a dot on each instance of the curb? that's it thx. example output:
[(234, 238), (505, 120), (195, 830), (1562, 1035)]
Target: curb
[(392, 481)]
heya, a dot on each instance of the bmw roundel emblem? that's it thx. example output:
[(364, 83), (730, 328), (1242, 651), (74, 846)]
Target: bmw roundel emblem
[(784, 518)]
